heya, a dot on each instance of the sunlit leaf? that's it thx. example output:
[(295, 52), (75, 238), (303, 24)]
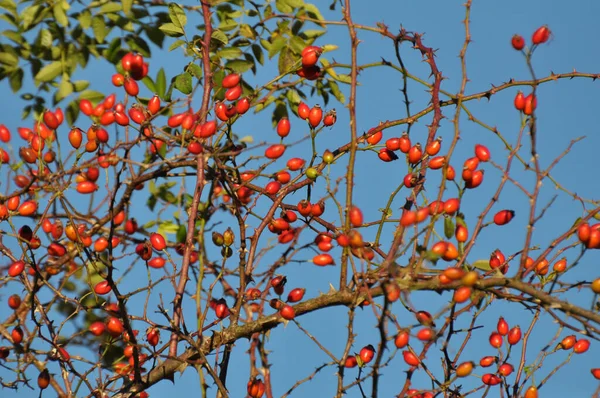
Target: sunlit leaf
[(171, 30), (177, 15), (483, 265), (49, 72), (183, 83)]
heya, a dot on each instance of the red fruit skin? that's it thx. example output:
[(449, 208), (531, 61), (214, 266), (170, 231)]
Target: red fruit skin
[(519, 101), (158, 242), (541, 35), (296, 295), (401, 339), (581, 346), (514, 335), (287, 312), (491, 379), (303, 111), (97, 328), (356, 216), (410, 358), (518, 42), (351, 362), (495, 340), (367, 353), (315, 116), (487, 361), (102, 287), (323, 260), (482, 153), (283, 127), (502, 327), (275, 151), (231, 80), (503, 217)]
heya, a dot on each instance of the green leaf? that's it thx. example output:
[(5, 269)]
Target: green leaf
[(181, 233), (127, 4), (110, 8), (14, 36), (282, 6), (91, 95), (72, 112), (313, 11), (286, 61), (337, 93), (168, 227), (313, 33), (295, 3), (28, 15), (10, 59), (99, 28), (9, 5), (483, 265), (183, 83), (171, 30), (278, 44), (329, 47), (45, 38), (85, 19), (258, 53), (177, 15), (161, 82), (60, 15), (16, 80), (247, 31), (229, 53), (220, 37), (297, 44), (80, 85), (448, 227), (49, 72), (176, 44), (240, 65), (151, 202), (65, 88), (293, 97), (195, 70), (148, 82)]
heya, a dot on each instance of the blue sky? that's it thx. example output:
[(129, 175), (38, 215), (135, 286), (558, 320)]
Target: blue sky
[(566, 110)]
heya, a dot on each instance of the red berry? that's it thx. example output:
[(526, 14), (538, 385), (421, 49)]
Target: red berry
[(97, 328), (367, 353), (518, 42), (283, 127), (581, 346), (541, 35), (287, 312), (351, 362), (303, 111), (296, 295), (315, 116), (323, 260), (410, 358), (231, 80), (482, 153), (503, 217), (158, 242), (514, 335), (401, 339), (520, 101), (275, 151), (502, 326), (495, 340)]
